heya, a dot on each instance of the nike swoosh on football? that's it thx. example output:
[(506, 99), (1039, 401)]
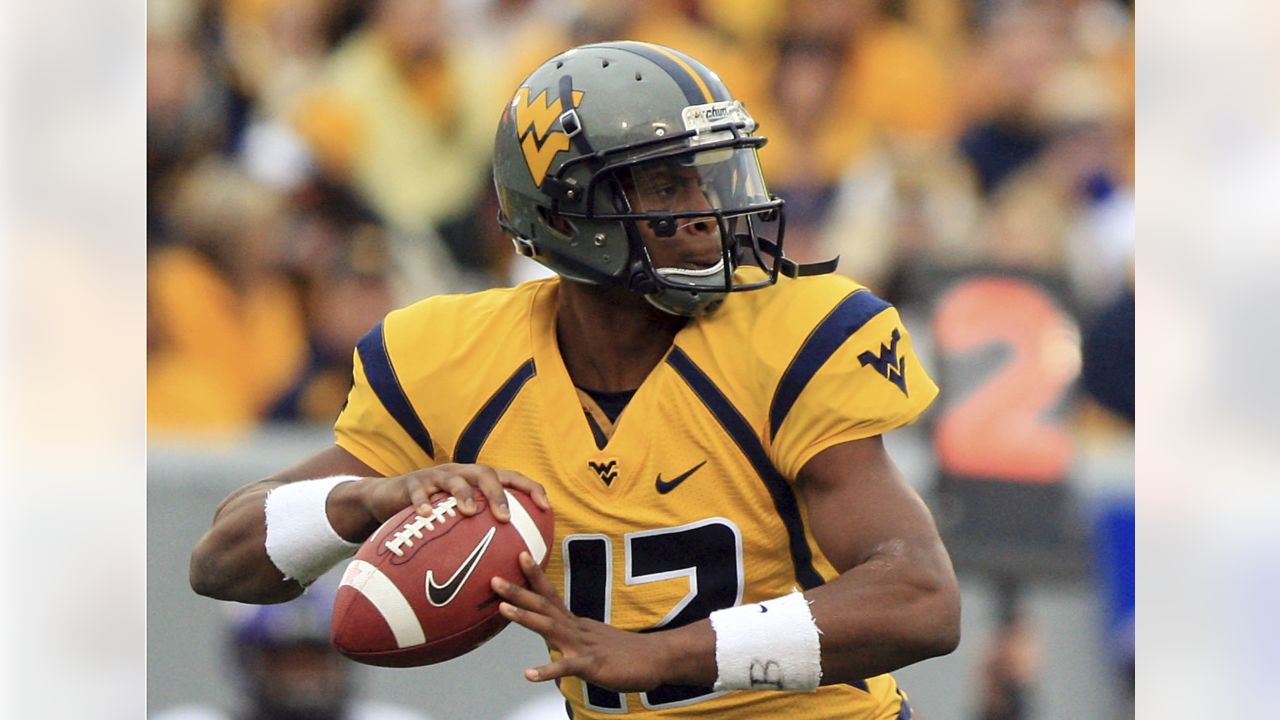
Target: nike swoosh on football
[(668, 486), (441, 595)]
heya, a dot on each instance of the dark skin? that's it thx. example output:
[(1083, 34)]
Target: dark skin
[(895, 602)]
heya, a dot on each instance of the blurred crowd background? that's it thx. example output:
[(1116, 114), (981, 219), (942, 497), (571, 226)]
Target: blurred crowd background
[(313, 164)]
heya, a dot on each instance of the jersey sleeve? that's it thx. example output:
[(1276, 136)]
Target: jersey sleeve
[(855, 376), (379, 424)]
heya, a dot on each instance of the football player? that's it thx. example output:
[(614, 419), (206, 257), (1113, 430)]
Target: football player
[(703, 414)]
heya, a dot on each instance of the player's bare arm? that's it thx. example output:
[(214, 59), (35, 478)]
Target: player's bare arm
[(231, 562), (896, 601)]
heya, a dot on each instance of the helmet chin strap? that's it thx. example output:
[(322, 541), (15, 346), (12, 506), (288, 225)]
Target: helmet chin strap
[(678, 273), (704, 294)]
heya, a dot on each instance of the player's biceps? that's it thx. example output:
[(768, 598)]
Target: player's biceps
[(831, 528), (847, 531), (895, 529), (856, 500)]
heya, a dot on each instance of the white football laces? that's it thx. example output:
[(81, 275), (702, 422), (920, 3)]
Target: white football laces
[(412, 530)]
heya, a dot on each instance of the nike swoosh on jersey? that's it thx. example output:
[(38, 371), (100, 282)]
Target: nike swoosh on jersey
[(666, 487), (441, 595)]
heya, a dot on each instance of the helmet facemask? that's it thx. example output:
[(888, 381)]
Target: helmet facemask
[(695, 211)]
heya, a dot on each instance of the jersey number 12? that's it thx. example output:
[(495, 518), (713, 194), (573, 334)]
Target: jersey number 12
[(708, 553)]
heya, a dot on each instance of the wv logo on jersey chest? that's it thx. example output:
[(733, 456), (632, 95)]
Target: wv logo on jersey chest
[(607, 470), (887, 363), (540, 126)]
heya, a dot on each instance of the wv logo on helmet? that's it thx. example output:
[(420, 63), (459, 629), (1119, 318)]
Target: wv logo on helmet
[(541, 136)]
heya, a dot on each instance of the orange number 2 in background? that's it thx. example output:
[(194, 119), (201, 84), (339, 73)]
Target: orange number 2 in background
[(1004, 427)]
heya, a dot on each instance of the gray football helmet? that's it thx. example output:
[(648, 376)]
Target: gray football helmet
[(576, 155)]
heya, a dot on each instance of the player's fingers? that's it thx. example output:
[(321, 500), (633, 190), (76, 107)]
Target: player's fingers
[(539, 583), (486, 478), (457, 486), (417, 487), (511, 478), (536, 622), (563, 667), (525, 599), (420, 496)]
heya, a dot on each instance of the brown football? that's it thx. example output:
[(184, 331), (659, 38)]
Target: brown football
[(417, 591)]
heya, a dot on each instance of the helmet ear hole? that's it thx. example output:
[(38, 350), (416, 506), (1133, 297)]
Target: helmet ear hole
[(557, 223)]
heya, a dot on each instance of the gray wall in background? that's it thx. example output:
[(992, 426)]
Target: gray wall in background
[(186, 652)]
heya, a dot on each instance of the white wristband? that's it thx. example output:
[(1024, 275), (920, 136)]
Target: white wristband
[(772, 645), (300, 541)]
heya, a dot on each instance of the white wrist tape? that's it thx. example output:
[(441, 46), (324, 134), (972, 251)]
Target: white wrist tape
[(300, 541), (772, 645)]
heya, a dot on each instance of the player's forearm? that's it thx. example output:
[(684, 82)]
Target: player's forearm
[(686, 655), (230, 561), (893, 610), (867, 629), (885, 614)]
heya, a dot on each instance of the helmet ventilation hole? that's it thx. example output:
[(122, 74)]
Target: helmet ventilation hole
[(604, 63), (638, 78), (559, 64)]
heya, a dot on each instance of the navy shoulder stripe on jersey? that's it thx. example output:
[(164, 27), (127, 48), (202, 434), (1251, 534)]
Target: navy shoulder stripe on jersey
[(784, 499), (839, 325), (372, 349), (477, 431)]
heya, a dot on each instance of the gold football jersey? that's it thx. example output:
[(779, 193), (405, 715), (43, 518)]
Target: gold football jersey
[(688, 505)]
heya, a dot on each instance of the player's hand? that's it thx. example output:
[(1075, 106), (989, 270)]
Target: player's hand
[(598, 653), (383, 497)]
